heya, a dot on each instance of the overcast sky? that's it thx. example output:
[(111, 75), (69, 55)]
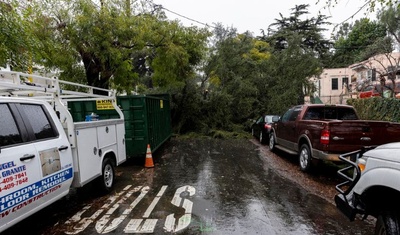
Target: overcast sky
[(254, 15)]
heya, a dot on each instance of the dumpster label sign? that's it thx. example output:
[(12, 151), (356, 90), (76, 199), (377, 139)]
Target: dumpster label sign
[(104, 105)]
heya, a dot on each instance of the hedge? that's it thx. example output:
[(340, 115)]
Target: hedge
[(377, 108)]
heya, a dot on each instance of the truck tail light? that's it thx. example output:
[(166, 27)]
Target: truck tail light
[(267, 126), (324, 137)]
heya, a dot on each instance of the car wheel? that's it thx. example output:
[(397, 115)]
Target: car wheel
[(387, 223), (271, 142), (107, 176), (305, 158)]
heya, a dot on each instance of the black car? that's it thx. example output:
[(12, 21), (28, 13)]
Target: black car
[(261, 128)]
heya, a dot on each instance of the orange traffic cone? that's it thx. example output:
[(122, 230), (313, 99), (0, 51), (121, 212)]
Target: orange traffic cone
[(149, 158)]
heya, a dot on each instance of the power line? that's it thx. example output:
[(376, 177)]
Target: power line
[(368, 2), (196, 21)]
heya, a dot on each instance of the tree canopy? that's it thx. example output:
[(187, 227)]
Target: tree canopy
[(16, 39), (309, 30), (299, 52), (113, 44), (217, 81), (353, 40)]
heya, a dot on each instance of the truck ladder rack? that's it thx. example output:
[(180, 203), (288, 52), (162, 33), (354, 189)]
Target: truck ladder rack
[(55, 91), (29, 85)]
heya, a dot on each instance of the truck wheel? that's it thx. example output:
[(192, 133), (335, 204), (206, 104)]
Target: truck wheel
[(387, 223), (107, 176), (305, 158), (271, 142)]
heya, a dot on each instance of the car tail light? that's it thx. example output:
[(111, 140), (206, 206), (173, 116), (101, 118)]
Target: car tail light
[(267, 126), (324, 137)]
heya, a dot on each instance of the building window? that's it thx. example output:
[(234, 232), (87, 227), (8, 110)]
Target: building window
[(335, 84), (373, 75), (345, 82)]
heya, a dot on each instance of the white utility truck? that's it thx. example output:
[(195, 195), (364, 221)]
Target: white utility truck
[(372, 186), (43, 152)]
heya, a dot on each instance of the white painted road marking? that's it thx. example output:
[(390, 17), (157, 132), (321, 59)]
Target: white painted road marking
[(114, 224), (147, 225), (184, 221), (78, 215), (138, 226), (154, 203), (83, 223), (101, 224), (143, 225)]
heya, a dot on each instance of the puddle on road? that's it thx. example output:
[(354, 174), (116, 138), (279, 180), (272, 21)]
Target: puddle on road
[(237, 194)]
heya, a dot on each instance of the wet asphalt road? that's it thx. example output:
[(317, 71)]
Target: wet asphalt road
[(199, 187)]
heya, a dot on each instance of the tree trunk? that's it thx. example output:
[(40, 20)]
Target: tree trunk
[(94, 74)]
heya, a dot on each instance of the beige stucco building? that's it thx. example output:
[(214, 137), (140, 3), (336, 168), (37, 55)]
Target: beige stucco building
[(332, 85), (335, 86)]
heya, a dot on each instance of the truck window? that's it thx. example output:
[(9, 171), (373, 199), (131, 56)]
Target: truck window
[(334, 113), (40, 123), (9, 133), (313, 114), (347, 114), (291, 114), (330, 113), (286, 116), (340, 113), (295, 113)]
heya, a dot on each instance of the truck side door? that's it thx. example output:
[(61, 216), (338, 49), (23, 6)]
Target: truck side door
[(35, 160), (19, 164), (286, 128), (292, 128), (281, 130), (54, 151)]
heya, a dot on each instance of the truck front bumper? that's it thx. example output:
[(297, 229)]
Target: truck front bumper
[(345, 207), (348, 202)]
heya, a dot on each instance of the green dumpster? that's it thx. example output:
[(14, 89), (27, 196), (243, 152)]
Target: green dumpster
[(147, 119)]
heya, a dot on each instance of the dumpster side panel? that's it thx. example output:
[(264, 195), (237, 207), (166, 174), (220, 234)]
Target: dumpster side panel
[(135, 125), (159, 120), (79, 110)]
